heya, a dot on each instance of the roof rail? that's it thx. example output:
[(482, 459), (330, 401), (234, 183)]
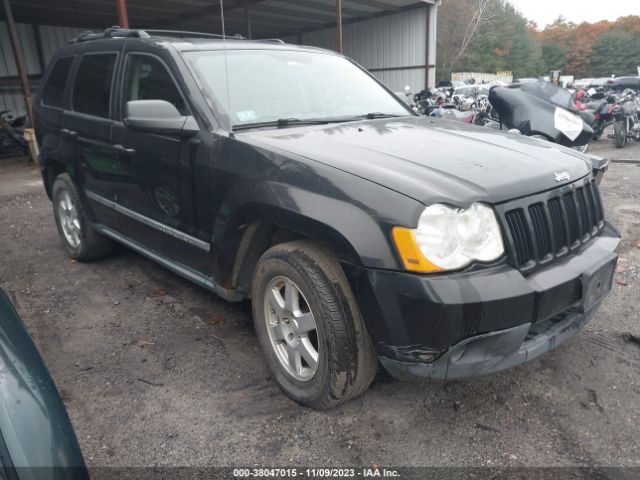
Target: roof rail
[(117, 32), (183, 34)]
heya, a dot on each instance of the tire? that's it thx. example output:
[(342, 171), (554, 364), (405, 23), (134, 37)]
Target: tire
[(80, 240), (346, 360), (620, 133), (597, 133)]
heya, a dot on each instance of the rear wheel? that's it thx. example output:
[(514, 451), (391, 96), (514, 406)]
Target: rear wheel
[(81, 241), (620, 133), (309, 326)]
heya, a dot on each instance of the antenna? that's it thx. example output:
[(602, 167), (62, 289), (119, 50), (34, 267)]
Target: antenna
[(226, 63)]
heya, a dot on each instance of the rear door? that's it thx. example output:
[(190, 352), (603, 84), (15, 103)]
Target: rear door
[(88, 123), (50, 106)]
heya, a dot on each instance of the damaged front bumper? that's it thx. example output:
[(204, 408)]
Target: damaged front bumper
[(495, 351), (483, 321)]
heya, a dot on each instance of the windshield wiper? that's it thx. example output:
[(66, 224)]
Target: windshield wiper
[(374, 115), (287, 122), (292, 122)]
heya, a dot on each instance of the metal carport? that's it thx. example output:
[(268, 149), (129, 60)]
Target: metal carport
[(393, 38)]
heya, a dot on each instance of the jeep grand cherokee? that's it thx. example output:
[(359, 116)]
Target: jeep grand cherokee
[(361, 232)]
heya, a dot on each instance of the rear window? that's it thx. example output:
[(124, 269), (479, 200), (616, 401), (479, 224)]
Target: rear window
[(53, 92), (92, 89)]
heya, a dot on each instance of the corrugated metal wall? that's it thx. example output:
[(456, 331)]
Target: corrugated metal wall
[(392, 41), (52, 38)]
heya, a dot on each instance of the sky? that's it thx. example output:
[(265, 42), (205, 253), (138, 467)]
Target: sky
[(544, 12)]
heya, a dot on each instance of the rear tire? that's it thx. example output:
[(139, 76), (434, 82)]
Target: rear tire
[(620, 133), (346, 363), (80, 240)]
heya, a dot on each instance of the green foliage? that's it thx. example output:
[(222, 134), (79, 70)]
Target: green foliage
[(615, 52), (553, 57), (506, 41)]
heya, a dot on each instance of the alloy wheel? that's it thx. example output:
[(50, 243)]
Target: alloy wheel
[(292, 328), (69, 219)]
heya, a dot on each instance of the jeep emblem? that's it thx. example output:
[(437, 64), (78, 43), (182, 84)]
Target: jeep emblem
[(562, 176)]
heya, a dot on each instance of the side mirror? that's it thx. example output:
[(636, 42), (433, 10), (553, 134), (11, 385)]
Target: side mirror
[(159, 116)]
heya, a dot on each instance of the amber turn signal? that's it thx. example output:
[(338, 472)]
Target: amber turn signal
[(412, 257)]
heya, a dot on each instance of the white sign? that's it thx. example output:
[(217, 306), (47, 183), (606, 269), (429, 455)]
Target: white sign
[(568, 123)]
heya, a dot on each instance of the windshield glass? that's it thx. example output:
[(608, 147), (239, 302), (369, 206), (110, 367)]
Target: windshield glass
[(551, 93), (268, 85)]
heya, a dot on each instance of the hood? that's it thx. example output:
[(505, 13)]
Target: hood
[(433, 160)]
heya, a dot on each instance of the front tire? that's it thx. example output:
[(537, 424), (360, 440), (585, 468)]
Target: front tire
[(620, 133), (309, 326), (80, 240)]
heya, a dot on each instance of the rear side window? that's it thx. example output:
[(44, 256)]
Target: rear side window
[(146, 78), (53, 92), (92, 89)]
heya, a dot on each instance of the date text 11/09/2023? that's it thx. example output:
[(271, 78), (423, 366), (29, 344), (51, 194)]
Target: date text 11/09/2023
[(314, 473)]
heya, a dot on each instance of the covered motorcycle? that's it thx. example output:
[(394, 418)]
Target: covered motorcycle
[(541, 109), (544, 110)]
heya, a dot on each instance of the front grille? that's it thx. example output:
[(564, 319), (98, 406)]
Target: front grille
[(550, 225)]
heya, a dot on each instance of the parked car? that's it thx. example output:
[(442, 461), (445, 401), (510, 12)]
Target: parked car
[(622, 83), (36, 436), (360, 231)]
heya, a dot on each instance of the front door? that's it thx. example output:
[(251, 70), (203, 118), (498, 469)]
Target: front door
[(156, 199)]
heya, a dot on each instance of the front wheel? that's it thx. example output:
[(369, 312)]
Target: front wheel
[(620, 133), (309, 326), (597, 133)]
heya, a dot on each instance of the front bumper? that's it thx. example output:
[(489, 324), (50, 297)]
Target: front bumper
[(479, 322)]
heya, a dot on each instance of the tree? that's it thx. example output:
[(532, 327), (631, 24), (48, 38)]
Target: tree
[(553, 57), (464, 20), (580, 50), (615, 53), (491, 35)]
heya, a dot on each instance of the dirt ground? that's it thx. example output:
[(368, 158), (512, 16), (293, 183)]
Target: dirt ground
[(158, 372)]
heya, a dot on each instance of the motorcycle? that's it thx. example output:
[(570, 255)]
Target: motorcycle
[(542, 110), (12, 140), (626, 119), (545, 112)]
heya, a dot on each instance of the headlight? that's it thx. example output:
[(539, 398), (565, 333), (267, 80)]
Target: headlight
[(450, 238)]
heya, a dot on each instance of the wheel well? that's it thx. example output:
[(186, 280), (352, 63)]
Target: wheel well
[(51, 171), (257, 239), (261, 236)]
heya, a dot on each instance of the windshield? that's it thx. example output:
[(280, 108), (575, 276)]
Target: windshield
[(267, 86), (551, 93)]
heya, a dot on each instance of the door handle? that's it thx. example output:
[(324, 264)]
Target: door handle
[(122, 149), (68, 134)]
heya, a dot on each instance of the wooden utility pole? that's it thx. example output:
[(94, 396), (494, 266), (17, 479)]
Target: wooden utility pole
[(339, 37), (123, 17), (19, 58), (247, 22)]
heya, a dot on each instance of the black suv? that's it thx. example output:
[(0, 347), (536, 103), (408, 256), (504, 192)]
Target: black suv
[(360, 231)]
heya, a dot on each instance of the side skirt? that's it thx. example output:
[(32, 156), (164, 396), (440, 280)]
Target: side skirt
[(176, 267)]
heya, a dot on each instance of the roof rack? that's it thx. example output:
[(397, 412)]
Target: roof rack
[(117, 32)]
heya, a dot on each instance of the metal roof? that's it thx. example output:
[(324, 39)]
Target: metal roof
[(269, 18)]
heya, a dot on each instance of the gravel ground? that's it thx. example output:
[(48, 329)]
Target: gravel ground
[(158, 372)]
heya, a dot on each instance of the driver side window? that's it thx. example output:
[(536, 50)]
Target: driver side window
[(146, 78)]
